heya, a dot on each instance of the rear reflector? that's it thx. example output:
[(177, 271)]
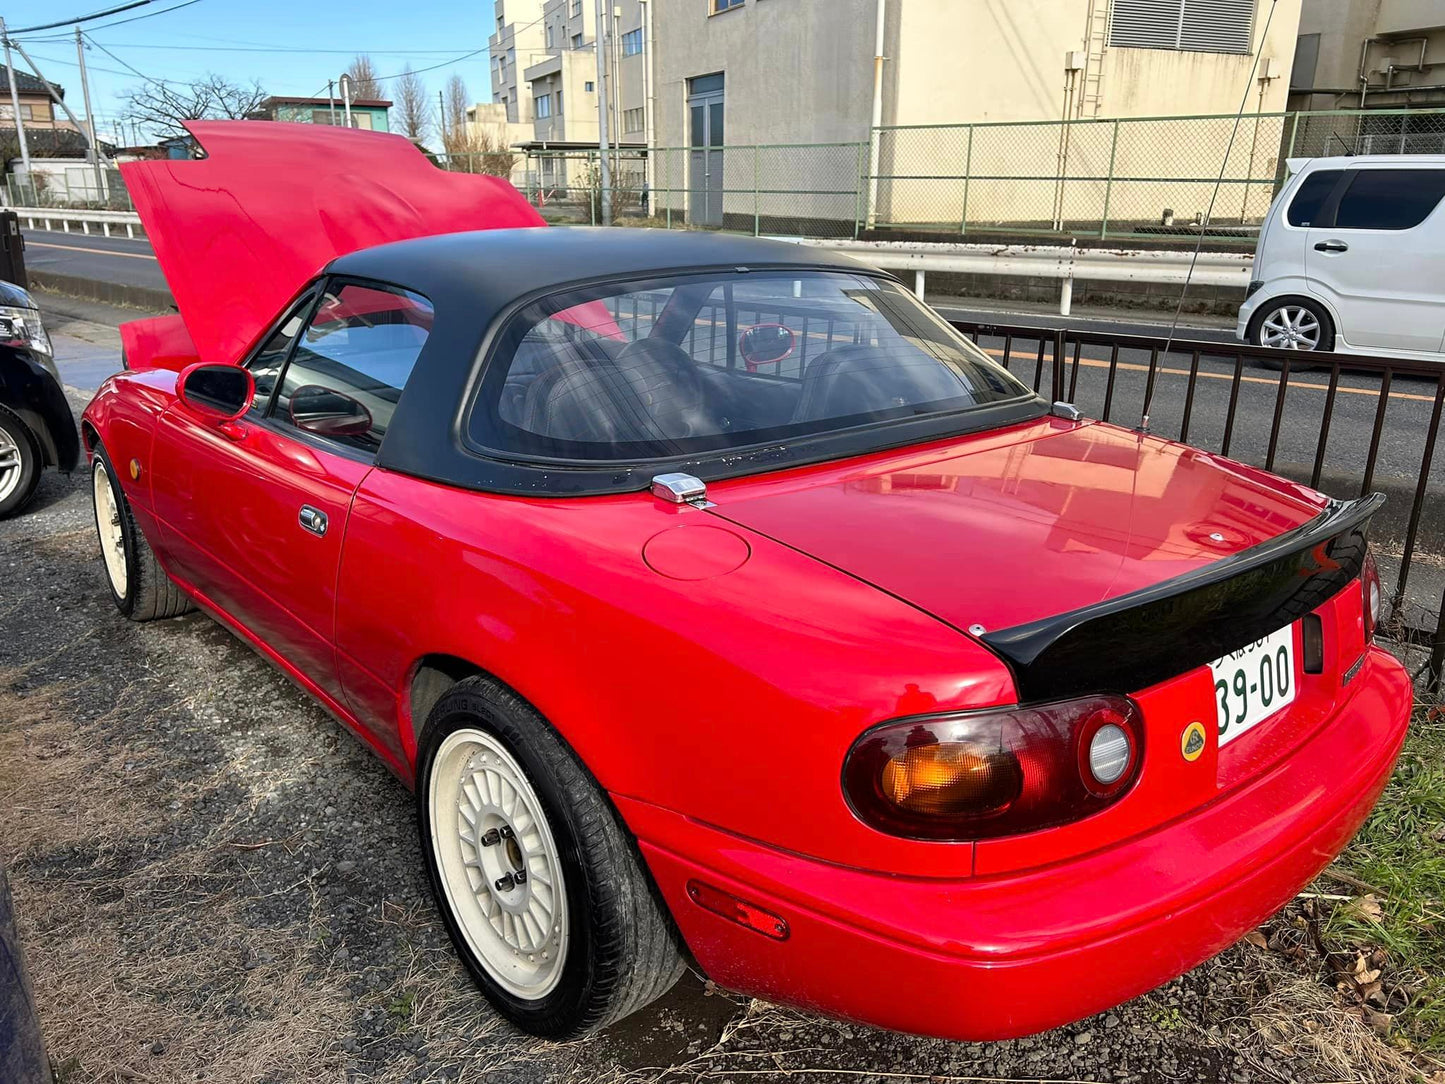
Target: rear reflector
[(730, 907), (1313, 636)]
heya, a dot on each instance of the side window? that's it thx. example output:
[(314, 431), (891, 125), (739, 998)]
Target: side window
[(265, 364), (1305, 208), (352, 362), (1390, 199)]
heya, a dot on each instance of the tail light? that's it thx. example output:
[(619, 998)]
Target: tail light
[(994, 773), (1370, 585)]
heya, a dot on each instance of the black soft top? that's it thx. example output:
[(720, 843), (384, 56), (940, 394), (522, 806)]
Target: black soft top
[(474, 280)]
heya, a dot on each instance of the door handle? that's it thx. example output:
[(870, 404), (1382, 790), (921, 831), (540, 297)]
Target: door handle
[(1332, 246), (313, 520)]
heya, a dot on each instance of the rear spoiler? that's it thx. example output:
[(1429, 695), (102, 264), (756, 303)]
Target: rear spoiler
[(1139, 639)]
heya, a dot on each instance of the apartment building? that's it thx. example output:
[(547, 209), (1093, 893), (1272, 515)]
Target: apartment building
[(515, 46), (1363, 54)]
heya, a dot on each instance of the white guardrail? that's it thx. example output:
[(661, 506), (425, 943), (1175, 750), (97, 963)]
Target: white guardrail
[(62, 218), (1065, 263)]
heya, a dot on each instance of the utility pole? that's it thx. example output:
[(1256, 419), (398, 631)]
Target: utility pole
[(649, 135), (54, 94), (346, 96), (15, 105), (606, 169), (331, 99), (100, 192)]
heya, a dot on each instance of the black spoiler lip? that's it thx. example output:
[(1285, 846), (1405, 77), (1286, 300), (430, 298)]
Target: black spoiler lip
[(1134, 641)]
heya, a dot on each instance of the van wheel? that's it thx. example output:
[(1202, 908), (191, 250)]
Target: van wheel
[(1292, 323)]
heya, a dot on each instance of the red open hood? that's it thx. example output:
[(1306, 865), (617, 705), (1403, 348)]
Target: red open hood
[(239, 231), (1009, 527)]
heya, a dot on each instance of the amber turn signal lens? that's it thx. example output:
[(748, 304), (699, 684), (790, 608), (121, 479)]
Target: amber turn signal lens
[(996, 772), (951, 778)]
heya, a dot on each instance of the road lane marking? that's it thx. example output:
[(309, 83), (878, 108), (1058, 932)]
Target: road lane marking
[(96, 251), (1133, 366)]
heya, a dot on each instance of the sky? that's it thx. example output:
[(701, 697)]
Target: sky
[(291, 47)]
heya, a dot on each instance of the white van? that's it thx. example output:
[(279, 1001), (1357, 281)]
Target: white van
[(1351, 257)]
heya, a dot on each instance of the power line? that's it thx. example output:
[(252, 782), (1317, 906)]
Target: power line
[(85, 18), (107, 26), (266, 48)]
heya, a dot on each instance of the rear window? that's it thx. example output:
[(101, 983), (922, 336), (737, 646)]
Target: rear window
[(1304, 209), (685, 366), (1390, 199)]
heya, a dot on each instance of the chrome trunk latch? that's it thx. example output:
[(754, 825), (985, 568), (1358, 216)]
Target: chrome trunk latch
[(681, 489)]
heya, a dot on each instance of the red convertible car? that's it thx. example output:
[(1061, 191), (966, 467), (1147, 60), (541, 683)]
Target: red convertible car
[(722, 603)]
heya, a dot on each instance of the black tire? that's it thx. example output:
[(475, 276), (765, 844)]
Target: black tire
[(1326, 336), (149, 593), (622, 949), (15, 433)]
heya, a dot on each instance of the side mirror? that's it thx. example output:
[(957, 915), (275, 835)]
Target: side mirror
[(765, 344), (217, 392), (328, 413)]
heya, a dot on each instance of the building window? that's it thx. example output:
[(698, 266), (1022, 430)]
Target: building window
[(590, 87), (7, 112), (576, 41), (576, 8), (550, 29), (542, 105), (1203, 26), (632, 120), (724, 5), (632, 42), (559, 101)]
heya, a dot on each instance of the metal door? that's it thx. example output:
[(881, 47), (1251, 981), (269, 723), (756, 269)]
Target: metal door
[(705, 158)]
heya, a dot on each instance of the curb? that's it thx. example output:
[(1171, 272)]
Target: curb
[(145, 298)]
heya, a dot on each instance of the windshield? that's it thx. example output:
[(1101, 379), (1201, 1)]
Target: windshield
[(691, 365)]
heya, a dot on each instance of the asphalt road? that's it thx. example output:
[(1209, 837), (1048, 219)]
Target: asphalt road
[(104, 259)]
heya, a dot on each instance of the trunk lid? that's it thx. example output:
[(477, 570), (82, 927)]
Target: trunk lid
[(1015, 526), (238, 232)]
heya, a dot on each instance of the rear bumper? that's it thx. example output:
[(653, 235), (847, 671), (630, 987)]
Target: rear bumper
[(999, 957)]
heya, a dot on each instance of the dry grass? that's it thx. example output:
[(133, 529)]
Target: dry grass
[(137, 946)]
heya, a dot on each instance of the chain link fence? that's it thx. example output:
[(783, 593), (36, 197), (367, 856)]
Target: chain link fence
[(1111, 179)]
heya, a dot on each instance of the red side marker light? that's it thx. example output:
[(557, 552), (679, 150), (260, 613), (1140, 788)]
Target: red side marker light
[(725, 904)]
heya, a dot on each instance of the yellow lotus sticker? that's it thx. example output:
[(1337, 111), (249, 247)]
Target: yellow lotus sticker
[(1193, 742)]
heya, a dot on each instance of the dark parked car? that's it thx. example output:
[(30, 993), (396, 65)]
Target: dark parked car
[(22, 1051), (37, 429)]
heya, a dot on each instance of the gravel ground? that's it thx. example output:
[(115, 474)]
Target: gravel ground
[(215, 882)]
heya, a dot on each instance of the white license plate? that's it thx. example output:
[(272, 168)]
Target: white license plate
[(1253, 683)]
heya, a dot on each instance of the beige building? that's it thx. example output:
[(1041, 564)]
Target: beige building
[(743, 73), (1385, 54), (515, 46)]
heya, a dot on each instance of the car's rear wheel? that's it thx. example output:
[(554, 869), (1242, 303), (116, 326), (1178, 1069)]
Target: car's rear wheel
[(541, 890), (1292, 323), (138, 585), (20, 463)]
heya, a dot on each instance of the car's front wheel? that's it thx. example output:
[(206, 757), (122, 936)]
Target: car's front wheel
[(20, 463), (541, 890), (139, 587)]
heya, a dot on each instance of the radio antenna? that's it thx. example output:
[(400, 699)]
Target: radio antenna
[(1209, 214)]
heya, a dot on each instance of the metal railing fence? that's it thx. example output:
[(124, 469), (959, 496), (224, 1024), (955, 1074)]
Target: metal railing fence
[(1287, 417)]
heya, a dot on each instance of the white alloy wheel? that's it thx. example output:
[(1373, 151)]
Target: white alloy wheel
[(1291, 327), (107, 524), (12, 467), (499, 865)]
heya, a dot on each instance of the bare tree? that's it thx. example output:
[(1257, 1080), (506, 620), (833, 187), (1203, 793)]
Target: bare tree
[(474, 149), (364, 83), (454, 111), (160, 106), (411, 106)]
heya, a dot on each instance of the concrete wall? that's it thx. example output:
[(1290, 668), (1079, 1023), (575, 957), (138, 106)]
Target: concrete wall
[(1343, 26)]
